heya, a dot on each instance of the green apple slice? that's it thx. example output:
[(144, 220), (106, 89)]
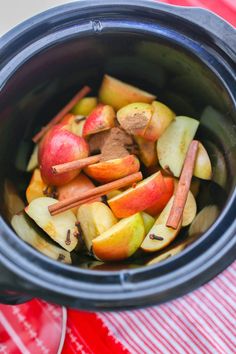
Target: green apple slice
[(29, 233), (173, 145)]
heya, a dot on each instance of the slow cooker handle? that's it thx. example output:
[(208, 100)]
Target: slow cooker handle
[(209, 21)]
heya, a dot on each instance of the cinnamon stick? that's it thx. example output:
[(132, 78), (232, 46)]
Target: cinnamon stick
[(94, 193), (76, 164), (176, 212), (58, 117)]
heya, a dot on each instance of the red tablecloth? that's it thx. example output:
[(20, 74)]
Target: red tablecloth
[(202, 322)]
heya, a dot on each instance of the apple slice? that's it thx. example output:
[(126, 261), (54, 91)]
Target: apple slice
[(78, 185), (160, 236), (160, 204), (139, 197), (33, 161), (202, 168), (170, 252), (95, 218), (73, 123), (60, 146), (174, 143), (100, 119), (148, 221), (161, 118), (113, 193), (204, 219), (121, 240), (61, 228), (85, 106), (190, 210), (147, 151), (107, 171), (195, 186), (31, 234), (118, 94), (12, 202), (36, 187), (135, 117)]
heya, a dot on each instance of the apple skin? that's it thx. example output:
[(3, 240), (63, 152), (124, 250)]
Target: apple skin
[(100, 119), (107, 171), (85, 106), (161, 118), (60, 146), (139, 197), (36, 186), (121, 240), (79, 184), (159, 205), (118, 94), (202, 168)]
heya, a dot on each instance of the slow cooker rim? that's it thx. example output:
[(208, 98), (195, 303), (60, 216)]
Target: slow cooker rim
[(130, 271)]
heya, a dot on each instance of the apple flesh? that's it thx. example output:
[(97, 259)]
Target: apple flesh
[(159, 230), (204, 219), (29, 233), (95, 218), (33, 161), (57, 147), (85, 106), (73, 124), (113, 193), (36, 186), (161, 118), (202, 168), (100, 119), (135, 117), (118, 94), (190, 210), (147, 151), (139, 197), (121, 240), (170, 252), (107, 171), (61, 228), (78, 185), (160, 204), (13, 203), (174, 142)]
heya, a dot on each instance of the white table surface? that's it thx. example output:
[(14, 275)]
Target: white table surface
[(13, 12)]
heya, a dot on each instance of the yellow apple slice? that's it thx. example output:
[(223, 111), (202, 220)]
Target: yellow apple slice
[(33, 161), (170, 252), (202, 168), (29, 233), (161, 118), (113, 193), (95, 218), (85, 106), (190, 210), (36, 187), (147, 151), (135, 118), (121, 240), (174, 143), (61, 228), (204, 219), (118, 94), (148, 221)]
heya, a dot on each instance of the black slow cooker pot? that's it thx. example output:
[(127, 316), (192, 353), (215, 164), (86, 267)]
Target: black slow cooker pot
[(187, 57)]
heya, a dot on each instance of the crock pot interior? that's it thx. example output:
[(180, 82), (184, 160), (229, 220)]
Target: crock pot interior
[(42, 85)]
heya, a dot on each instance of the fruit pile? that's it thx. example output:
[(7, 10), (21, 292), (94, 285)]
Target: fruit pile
[(113, 176)]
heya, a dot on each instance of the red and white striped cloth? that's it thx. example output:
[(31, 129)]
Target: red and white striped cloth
[(203, 322)]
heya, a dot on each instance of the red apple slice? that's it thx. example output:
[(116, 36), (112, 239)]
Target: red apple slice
[(100, 119), (107, 171), (160, 204), (139, 197)]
